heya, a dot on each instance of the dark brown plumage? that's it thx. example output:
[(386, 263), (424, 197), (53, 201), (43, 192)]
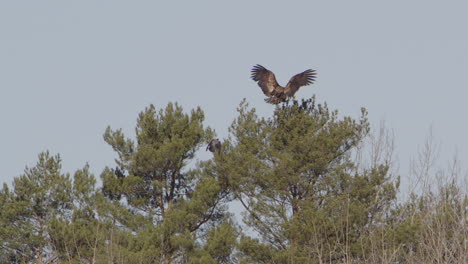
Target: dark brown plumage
[(276, 93), (214, 145)]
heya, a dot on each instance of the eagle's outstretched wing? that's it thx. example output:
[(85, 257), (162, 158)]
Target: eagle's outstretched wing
[(304, 78), (265, 79)]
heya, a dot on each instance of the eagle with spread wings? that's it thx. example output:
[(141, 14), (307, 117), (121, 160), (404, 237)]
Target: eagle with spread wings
[(276, 93)]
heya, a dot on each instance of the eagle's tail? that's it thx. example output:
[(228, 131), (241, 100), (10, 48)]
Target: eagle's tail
[(274, 100)]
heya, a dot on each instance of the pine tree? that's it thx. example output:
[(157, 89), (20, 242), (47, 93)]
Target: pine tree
[(81, 236), (294, 177), (292, 172), (38, 196), (152, 181)]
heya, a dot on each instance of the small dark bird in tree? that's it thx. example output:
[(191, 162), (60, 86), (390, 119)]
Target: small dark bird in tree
[(276, 93), (214, 145)]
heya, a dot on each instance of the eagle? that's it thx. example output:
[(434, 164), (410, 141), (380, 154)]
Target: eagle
[(214, 145), (276, 93)]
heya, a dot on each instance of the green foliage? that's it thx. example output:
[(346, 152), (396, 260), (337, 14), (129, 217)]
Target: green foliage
[(221, 241), (153, 178), (151, 170), (255, 252), (79, 237), (293, 173), (39, 196)]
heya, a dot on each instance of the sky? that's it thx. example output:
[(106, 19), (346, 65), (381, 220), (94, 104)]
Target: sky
[(69, 69)]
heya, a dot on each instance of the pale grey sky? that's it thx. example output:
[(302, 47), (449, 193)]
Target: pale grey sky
[(70, 68)]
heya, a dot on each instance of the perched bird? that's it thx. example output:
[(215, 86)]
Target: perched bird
[(276, 93), (214, 145)]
